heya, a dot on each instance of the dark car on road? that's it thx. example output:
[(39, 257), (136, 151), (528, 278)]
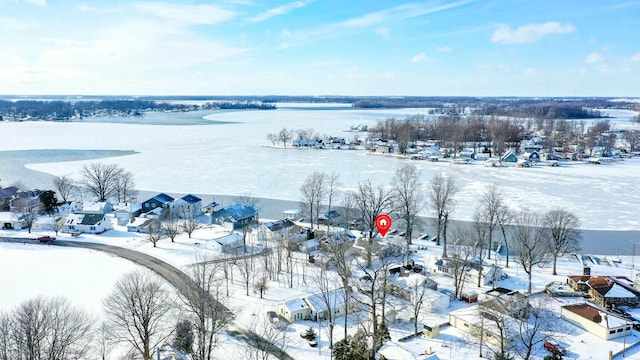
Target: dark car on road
[(46, 239)]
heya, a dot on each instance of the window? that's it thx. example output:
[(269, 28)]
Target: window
[(466, 325), (612, 332), (619, 330)]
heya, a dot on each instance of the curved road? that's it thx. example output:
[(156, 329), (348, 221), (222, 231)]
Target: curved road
[(170, 273)]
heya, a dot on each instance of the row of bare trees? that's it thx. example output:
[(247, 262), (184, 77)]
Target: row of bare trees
[(455, 131), (103, 181)]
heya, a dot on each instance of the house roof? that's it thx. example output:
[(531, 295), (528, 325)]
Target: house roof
[(230, 239), (296, 305), (8, 191), (138, 222), (596, 315), (318, 302), (191, 199), (92, 219), (280, 225), (7, 216), (236, 212), (162, 197), (393, 351)]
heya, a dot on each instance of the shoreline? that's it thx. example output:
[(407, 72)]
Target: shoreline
[(594, 241)]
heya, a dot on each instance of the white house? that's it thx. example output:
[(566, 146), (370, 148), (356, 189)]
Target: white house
[(86, 223), (127, 212), (470, 320), (140, 225), (228, 243), (186, 206), (292, 310), (596, 321), (9, 220), (309, 246)]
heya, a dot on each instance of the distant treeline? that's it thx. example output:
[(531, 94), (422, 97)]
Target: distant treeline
[(539, 111), (64, 110)]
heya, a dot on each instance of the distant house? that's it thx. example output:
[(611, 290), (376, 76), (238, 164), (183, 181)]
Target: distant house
[(476, 320), (90, 207), (86, 223), (25, 201), (608, 291), (5, 196), (328, 217), (293, 214), (509, 157), (235, 216), (394, 351), (308, 246), (293, 310), (186, 206), (532, 156), (507, 301), (140, 225), (211, 207), (126, 213), (314, 307), (595, 321), (229, 243), (159, 201), (10, 221)]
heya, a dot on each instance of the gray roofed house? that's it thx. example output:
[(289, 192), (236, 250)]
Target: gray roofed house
[(235, 216)]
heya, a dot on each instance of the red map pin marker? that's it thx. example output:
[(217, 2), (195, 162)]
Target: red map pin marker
[(383, 224)]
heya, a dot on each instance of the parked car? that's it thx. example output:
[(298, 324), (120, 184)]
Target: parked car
[(554, 347), (46, 239)]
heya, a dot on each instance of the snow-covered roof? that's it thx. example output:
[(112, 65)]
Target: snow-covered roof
[(393, 351), (137, 222), (318, 302), (230, 239), (310, 243), (7, 216), (191, 199), (296, 305), (618, 291)]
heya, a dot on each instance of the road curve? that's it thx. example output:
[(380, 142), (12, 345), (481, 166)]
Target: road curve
[(176, 277)]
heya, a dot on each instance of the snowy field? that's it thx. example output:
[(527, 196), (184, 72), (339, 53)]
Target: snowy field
[(87, 277)]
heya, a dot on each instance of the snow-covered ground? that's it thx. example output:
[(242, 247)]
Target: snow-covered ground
[(87, 277)]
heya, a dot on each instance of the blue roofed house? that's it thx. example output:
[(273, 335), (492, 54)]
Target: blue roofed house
[(159, 201), (235, 216), (188, 206), (509, 157), (532, 156)]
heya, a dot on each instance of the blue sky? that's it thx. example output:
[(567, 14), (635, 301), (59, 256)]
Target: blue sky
[(321, 47)]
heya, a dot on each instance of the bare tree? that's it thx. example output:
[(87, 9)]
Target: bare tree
[(480, 230), (248, 210), (172, 228), (326, 282), (204, 308), (460, 253), (373, 288), (284, 136), (505, 217), (341, 260), (261, 285), (533, 330), (28, 219), (8, 349), (137, 312), (564, 233), (419, 291), (440, 195), (490, 206), (190, 221), (245, 267), (65, 187), (530, 242), (100, 179), (372, 201), (331, 185), (50, 328), (266, 339), (154, 235), (408, 198), (124, 186), (313, 193)]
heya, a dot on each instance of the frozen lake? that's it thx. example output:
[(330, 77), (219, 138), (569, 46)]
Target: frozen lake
[(227, 153)]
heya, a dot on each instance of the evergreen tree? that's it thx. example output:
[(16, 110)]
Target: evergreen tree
[(48, 201), (183, 339)]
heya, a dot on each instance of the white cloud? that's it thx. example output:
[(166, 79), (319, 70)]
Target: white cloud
[(189, 14), (378, 18), (594, 58), (93, 9), (444, 49), (13, 24), (36, 2), (280, 10), (420, 58), (635, 57), (383, 31), (504, 34), (529, 72)]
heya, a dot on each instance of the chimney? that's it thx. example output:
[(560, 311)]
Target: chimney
[(586, 271)]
